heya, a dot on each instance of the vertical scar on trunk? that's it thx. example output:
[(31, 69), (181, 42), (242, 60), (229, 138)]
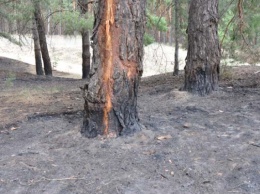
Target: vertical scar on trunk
[(108, 63)]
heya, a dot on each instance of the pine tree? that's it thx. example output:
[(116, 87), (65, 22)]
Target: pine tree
[(203, 58), (111, 95)]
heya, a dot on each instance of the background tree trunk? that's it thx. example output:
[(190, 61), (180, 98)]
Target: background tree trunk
[(111, 95), (176, 55), (49, 23), (42, 38), (83, 5), (37, 50), (203, 58), (85, 54)]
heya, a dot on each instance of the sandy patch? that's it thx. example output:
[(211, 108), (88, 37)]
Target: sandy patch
[(65, 53)]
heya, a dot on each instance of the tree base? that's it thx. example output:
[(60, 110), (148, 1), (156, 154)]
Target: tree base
[(92, 129), (93, 123), (201, 83)]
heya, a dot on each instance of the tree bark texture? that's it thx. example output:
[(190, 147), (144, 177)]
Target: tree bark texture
[(37, 50), (176, 28), (203, 57), (83, 5), (42, 38), (111, 95)]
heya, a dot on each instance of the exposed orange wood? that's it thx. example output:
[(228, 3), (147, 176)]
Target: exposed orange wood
[(108, 63)]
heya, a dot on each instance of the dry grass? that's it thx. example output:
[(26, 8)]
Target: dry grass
[(23, 94)]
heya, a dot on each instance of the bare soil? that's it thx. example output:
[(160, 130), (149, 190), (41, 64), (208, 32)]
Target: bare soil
[(188, 145)]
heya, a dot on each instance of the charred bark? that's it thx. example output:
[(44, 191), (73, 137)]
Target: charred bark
[(37, 50), (42, 38), (83, 5), (203, 58), (111, 95)]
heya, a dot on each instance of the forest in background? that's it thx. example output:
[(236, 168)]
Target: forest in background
[(239, 23)]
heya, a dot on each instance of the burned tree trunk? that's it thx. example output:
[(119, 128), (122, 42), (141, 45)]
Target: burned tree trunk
[(111, 95), (37, 50), (83, 5), (42, 37), (203, 58)]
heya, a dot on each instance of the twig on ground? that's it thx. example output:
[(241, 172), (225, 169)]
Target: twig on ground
[(32, 182), (254, 144), (164, 176), (30, 167), (63, 179)]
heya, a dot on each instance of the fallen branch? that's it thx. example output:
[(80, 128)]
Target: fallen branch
[(63, 179), (32, 182), (253, 144)]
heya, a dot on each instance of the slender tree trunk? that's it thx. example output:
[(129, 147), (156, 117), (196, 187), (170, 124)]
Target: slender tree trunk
[(42, 38), (3, 25), (256, 38), (37, 50), (85, 54), (60, 24), (18, 20), (83, 5), (176, 55), (171, 34), (111, 95), (74, 3), (10, 27), (171, 30), (203, 58), (49, 23)]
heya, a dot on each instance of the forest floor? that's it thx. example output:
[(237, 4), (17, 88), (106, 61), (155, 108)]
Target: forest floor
[(188, 145)]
